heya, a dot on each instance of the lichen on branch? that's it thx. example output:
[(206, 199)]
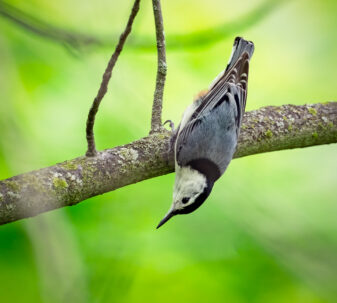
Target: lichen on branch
[(267, 129)]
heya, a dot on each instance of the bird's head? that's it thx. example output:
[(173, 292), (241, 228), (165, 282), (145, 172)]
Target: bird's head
[(191, 189)]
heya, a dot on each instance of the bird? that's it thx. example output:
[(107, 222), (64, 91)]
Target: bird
[(206, 138)]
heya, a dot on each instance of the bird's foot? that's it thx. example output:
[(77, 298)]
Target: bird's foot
[(170, 123)]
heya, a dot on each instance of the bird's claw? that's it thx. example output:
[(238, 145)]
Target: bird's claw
[(170, 123)]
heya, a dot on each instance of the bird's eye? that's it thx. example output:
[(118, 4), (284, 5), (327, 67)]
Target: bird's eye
[(185, 200)]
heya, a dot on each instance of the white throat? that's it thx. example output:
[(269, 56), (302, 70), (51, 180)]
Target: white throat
[(188, 182)]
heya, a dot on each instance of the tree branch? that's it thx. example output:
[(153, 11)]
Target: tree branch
[(157, 106), (78, 41), (44, 29), (68, 183), (105, 81)]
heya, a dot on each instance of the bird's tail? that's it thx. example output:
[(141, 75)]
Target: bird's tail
[(240, 47), (237, 68)]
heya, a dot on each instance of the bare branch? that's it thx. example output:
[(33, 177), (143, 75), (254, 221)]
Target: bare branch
[(78, 41), (44, 29), (157, 106), (68, 183), (105, 81)]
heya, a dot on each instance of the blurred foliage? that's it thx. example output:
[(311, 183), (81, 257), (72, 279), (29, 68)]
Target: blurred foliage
[(268, 232)]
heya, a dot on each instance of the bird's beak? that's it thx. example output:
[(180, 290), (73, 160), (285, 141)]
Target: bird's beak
[(167, 217)]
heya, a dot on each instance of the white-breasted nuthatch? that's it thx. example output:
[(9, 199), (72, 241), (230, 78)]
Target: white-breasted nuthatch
[(207, 136)]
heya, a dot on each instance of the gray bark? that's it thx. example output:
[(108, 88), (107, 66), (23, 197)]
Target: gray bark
[(68, 183), (157, 106)]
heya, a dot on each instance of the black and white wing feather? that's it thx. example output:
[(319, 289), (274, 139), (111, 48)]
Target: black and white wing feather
[(215, 120)]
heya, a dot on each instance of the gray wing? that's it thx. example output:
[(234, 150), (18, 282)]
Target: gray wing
[(213, 133), (213, 128), (232, 82)]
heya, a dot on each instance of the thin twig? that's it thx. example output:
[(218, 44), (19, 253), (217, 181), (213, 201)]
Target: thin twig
[(44, 29), (78, 42), (91, 152), (156, 124), (68, 183)]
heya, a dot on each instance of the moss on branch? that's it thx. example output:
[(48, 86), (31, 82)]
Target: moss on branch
[(68, 183)]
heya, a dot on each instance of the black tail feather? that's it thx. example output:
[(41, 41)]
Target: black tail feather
[(236, 71), (240, 47)]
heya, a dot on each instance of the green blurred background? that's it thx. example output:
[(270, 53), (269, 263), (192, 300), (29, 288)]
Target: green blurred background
[(268, 232)]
